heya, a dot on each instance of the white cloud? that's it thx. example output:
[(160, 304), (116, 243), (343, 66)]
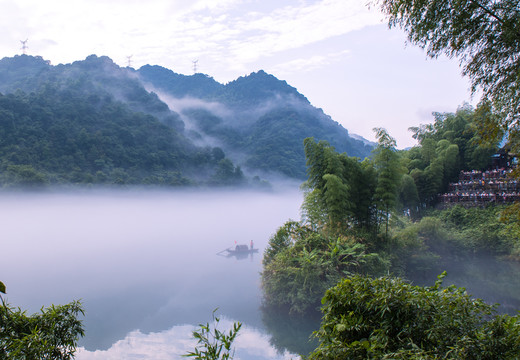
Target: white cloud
[(173, 343), (290, 27), (302, 65), (229, 33)]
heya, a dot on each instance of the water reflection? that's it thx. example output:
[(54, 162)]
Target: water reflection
[(291, 333), (251, 344)]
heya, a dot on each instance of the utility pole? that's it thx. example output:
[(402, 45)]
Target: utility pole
[(195, 66), (24, 46), (129, 58)]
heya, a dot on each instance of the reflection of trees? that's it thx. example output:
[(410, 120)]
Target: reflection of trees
[(291, 333)]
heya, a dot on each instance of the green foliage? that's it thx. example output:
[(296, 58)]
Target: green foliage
[(178, 85), (451, 144), (51, 334), (339, 189), (408, 195), (212, 343), (227, 174), (389, 173), (24, 175), (387, 318), (481, 230), (283, 239), (336, 196), (451, 238), (300, 264), (55, 137), (411, 248)]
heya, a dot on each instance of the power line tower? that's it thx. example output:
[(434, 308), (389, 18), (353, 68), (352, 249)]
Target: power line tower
[(195, 66), (129, 58), (24, 46)]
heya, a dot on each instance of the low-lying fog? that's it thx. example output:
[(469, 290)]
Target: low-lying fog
[(144, 264)]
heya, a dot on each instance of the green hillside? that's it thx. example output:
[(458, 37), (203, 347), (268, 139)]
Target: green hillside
[(92, 121), (266, 119)]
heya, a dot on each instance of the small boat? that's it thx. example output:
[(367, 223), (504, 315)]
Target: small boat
[(241, 249)]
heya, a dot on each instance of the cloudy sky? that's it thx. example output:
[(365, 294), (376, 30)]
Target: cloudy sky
[(338, 53)]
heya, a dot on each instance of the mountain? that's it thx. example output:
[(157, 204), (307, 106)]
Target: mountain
[(259, 117), (94, 122)]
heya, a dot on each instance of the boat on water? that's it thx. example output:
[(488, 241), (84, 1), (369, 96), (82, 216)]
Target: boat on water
[(240, 250)]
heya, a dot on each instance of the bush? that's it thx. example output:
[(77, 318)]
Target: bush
[(387, 318), (301, 264), (50, 335)]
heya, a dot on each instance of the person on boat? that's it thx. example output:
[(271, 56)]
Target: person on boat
[(251, 244)]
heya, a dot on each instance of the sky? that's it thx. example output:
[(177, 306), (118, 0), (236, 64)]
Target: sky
[(340, 54)]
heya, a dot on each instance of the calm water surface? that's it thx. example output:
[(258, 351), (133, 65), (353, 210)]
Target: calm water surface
[(144, 264)]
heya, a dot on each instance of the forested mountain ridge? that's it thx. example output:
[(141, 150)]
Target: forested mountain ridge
[(258, 114), (94, 122)]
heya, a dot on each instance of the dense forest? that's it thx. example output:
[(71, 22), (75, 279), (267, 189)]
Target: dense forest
[(93, 122)]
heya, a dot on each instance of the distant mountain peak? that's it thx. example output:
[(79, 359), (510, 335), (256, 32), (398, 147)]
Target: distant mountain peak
[(179, 85), (97, 62), (260, 86), (365, 141)]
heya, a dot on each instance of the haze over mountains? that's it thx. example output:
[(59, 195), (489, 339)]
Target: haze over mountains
[(94, 122)]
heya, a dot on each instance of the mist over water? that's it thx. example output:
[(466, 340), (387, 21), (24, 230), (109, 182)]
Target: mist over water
[(142, 262)]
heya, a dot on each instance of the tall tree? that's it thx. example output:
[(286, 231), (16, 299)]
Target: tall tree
[(408, 194), (339, 191), (389, 174), (336, 196), (327, 191)]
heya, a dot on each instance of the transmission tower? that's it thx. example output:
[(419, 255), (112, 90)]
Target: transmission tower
[(195, 66), (24, 46), (129, 58)]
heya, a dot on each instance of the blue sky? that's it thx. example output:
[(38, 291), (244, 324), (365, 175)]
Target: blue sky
[(338, 53)]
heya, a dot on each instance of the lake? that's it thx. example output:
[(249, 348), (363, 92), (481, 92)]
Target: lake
[(145, 264)]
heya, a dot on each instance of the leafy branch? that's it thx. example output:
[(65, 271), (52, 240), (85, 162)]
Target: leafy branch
[(213, 344)]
